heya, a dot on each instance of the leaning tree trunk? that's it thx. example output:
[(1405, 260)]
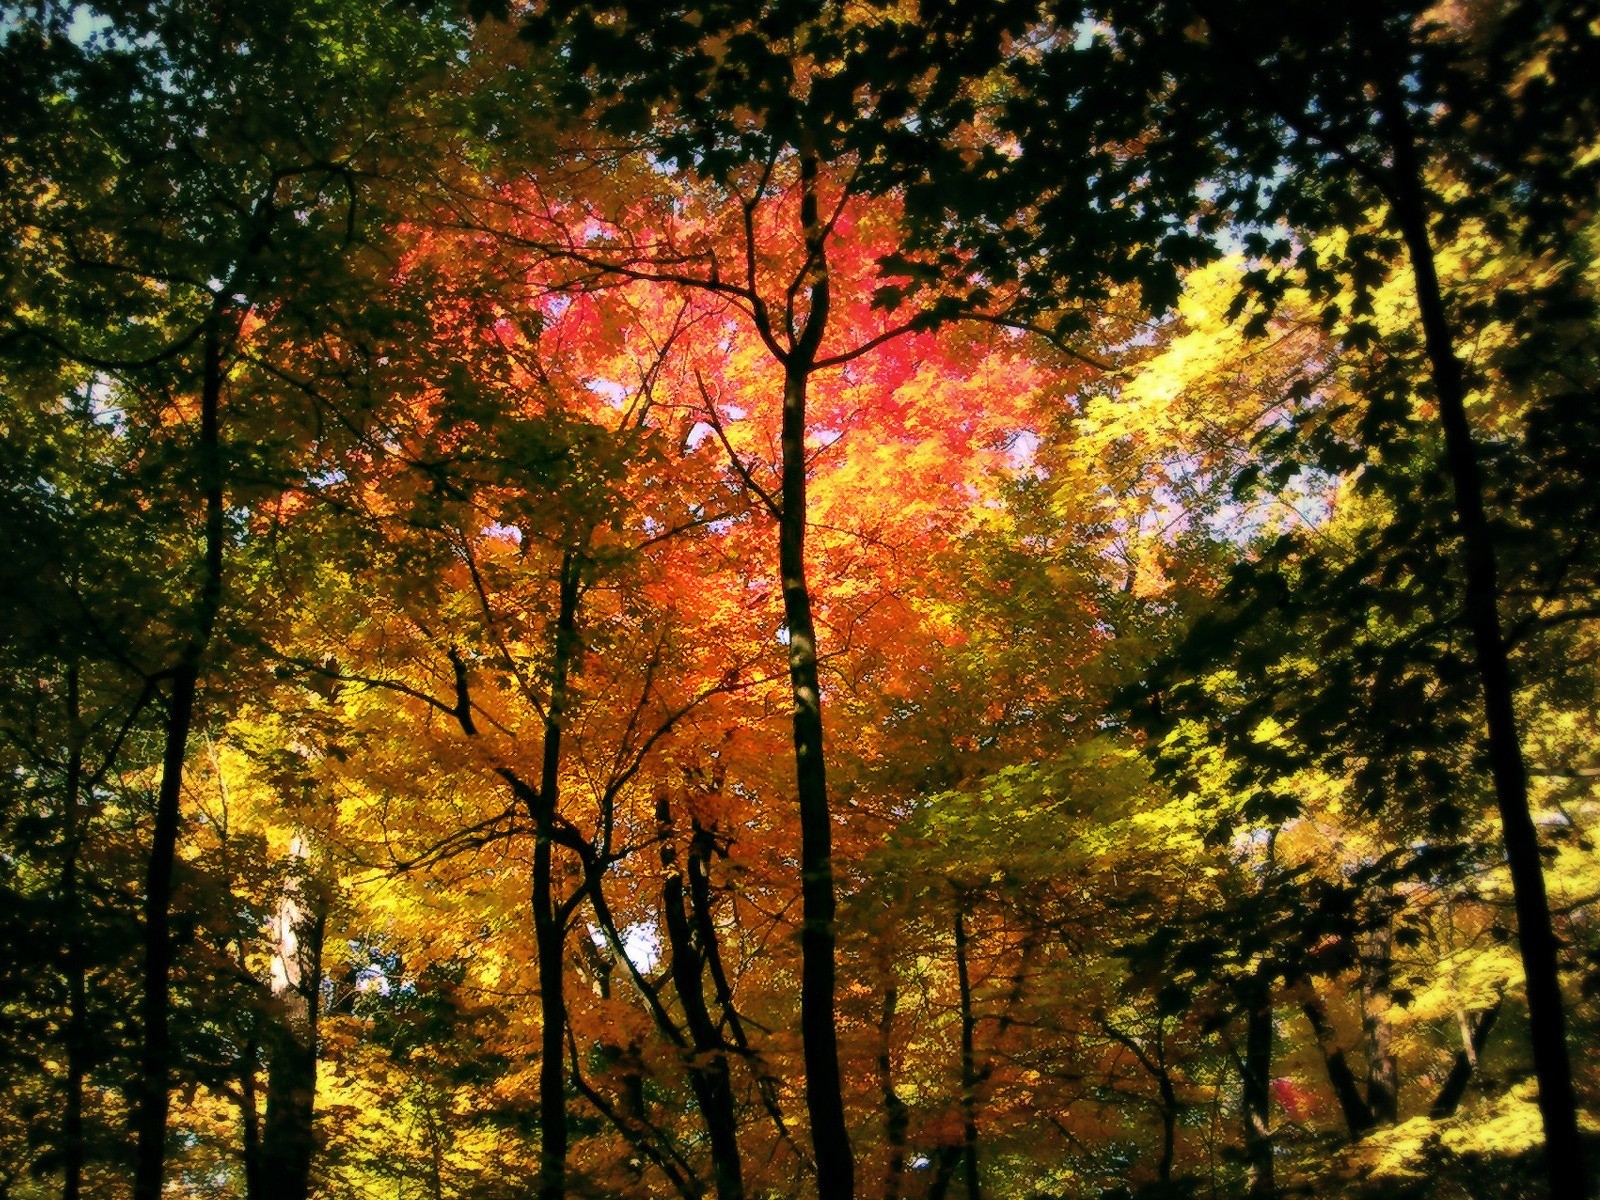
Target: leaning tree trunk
[(708, 1073), (1535, 931), (155, 1055), (1358, 1116)]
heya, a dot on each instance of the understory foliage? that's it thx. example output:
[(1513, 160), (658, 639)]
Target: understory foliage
[(799, 599)]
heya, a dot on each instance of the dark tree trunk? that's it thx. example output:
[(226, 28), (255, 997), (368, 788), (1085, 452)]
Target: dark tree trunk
[(1169, 1131), (1383, 1078), (702, 847), (1167, 1105), (1256, 1078), (77, 1031), (548, 927), (896, 1116), (155, 1055), (1358, 1117), (1536, 934), (1475, 1037), (250, 1114), (819, 1037), (708, 1073), (969, 1065)]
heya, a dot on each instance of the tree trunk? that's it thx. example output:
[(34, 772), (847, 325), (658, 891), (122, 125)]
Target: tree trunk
[(255, 1187), (702, 847), (896, 1117), (549, 934), (1358, 1116), (708, 1064), (819, 1036), (969, 1066), (1536, 934), (1167, 1105), (1475, 1036), (288, 1135), (77, 1031), (1256, 1078), (1383, 1079), (155, 1056)]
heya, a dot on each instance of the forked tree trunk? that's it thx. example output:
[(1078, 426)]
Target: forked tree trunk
[(1474, 1036), (708, 1069), (824, 1088)]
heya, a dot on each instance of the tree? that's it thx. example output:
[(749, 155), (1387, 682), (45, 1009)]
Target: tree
[(159, 262)]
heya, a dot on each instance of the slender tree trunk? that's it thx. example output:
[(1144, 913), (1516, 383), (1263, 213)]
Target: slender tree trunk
[(77, 1031), (708, 1071), (969, 1065), (1167, 1105), (896, 1116), (1474, 1037), (702, 847), (250, 1116), (1256, 1078), (1169, 1131), (1169, 1108), (1535, 932), (155, 1057), (549, 935), (819, 1036), (1383, 1078)]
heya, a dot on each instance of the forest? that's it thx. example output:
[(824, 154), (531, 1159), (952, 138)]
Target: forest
[(788, 599)]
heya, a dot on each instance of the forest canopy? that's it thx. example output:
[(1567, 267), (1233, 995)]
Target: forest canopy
[(799, 599)]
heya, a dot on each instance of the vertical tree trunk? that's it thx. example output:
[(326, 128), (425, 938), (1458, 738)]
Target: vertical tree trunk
[(288, 1136), (77, 1031), (969, 1065), (155, 1056), (1256, 1078), (549, 935), (1535, 932), (896, 1117), (1383, 1080), (255, 1187), (819, 1036), (1169, 1131)]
